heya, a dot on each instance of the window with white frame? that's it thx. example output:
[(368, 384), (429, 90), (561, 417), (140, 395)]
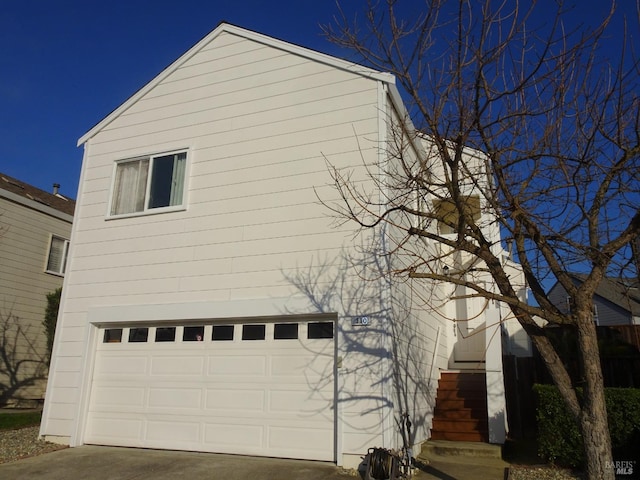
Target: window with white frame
[(58, 251), (148, 183)]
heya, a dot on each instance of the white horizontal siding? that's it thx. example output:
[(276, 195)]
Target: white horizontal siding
[(214, 116), (260, 125)]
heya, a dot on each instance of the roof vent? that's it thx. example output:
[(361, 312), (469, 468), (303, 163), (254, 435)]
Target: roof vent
[(56, 187)]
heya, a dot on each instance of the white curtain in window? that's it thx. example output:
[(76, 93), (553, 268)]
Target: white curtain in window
[(177, 180), (56, 255), (130, 187)]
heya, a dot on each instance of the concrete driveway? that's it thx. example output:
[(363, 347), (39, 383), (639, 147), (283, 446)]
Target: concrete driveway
[(115, 463)]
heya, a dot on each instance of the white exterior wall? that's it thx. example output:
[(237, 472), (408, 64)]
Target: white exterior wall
[(517, 341), (418, 332), (258, 123)]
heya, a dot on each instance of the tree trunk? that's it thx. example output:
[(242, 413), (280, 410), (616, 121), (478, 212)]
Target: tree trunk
[(593, 418)]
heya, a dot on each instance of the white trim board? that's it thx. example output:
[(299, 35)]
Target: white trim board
[(236, 309)]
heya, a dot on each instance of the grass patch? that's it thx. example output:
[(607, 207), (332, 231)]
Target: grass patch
[(11, 421)]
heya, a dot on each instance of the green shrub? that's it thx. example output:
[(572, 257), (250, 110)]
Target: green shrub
[(51, 317), (559, 439)]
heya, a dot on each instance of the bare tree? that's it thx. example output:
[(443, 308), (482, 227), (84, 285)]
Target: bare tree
[(556, 117)]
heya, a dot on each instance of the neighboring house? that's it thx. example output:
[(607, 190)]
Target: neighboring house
[(210, 301), (35, 227), (616, 301)]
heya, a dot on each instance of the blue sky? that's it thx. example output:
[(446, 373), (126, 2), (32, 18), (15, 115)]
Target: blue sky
[(67, 63)]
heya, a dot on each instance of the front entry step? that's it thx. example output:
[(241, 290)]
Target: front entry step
[(481, 460), (461, 408), (442, 448)]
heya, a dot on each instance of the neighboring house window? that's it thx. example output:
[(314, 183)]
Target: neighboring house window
[(570, 308), (58, 252), (148, 183), (569, 304)]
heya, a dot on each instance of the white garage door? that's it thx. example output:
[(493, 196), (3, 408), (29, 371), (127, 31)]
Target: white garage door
[(254, 388)]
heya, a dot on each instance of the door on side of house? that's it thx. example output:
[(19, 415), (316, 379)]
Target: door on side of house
[(470, 326), (255, 388)]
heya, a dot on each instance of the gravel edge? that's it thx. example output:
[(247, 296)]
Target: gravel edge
[(541, 472), (23, 443)]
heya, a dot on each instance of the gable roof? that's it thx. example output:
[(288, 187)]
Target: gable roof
[(622, 292), (24, 190), (250, 35)]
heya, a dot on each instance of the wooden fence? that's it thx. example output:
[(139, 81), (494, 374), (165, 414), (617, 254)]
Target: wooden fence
[(620, 360)]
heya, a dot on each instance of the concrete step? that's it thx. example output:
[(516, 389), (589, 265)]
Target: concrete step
[(443, 448)]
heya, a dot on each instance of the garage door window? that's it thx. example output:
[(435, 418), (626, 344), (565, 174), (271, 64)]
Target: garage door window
[(165, 334), (320, 330), (138, 335), (222, 333), (285, 331), (253, 332), (193, 334), (112, 335)]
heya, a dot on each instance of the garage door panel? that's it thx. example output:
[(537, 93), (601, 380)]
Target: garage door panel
[(287, 365), (297, 403), (238, 399), (121, 365), (282, 436), (268, 397), (177, 431), (220, 436), (300, 442), (174, 398), (109, 429), (234, 365), (119, 396), (177, 365)]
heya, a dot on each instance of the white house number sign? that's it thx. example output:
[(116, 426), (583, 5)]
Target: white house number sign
[(360, 321)]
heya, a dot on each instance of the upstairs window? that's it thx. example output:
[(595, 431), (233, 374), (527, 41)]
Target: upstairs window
[(58, 252), (448, 215), (148, 183)]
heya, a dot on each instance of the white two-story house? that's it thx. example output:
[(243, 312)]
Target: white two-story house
[(211, 301)]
